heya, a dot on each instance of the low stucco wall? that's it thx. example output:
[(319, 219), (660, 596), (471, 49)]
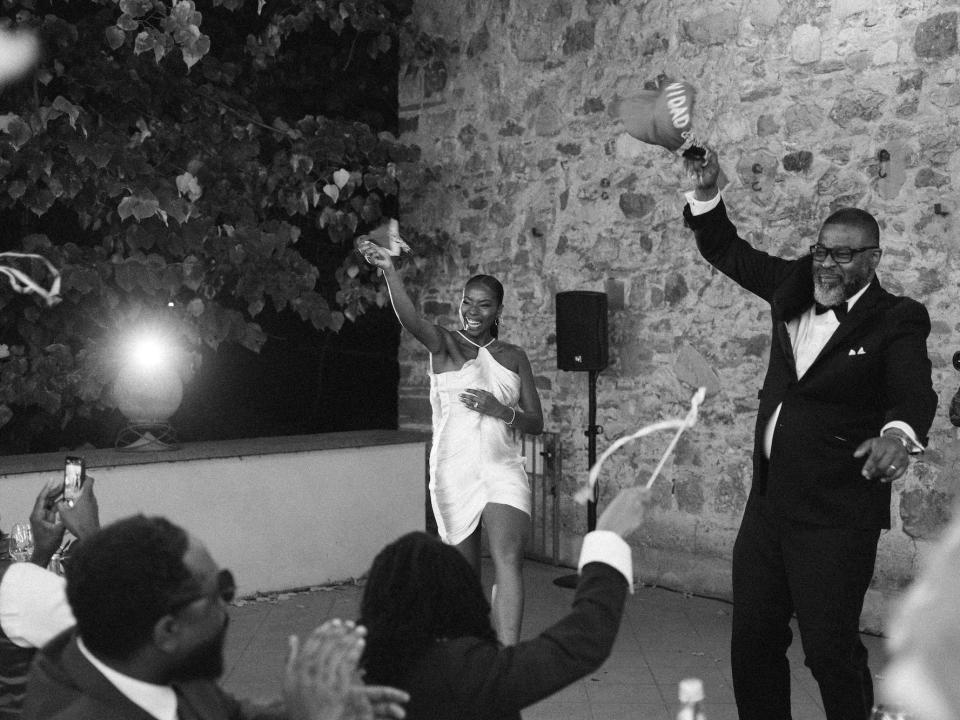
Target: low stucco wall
[(281, 513)]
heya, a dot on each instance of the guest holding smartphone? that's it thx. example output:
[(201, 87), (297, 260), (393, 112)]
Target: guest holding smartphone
[(33, 600)]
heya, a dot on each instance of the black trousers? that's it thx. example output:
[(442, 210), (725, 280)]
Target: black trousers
[(781, 567)]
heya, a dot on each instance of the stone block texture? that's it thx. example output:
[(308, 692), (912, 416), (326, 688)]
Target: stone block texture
[(533, 181)]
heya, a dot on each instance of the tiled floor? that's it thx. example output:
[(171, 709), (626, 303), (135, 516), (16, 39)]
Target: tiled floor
[(664, 638)]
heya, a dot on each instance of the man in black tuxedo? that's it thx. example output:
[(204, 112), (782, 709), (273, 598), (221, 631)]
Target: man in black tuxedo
[(847, 396)]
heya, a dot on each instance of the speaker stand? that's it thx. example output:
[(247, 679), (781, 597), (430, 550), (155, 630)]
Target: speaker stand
[(570, 581)]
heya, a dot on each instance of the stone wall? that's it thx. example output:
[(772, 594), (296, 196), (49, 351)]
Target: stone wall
[(531, 179)]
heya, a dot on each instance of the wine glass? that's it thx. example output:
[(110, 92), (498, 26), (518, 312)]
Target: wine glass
[(21, 542)]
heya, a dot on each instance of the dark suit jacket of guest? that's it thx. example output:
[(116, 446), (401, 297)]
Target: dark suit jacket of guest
[(874, 369), (63, 685), (468, 678)]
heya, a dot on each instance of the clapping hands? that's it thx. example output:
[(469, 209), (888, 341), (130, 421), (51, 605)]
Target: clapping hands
[(322, 681)]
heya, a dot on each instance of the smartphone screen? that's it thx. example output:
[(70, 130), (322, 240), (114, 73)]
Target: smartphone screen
[(73, 475)]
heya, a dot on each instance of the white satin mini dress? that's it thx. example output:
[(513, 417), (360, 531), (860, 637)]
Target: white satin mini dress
[(474, 459)]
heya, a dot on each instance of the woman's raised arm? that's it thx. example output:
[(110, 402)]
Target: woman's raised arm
[(426, 332)]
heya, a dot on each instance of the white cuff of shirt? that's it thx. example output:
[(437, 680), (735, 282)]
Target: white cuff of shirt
[(915, 447), (699, 207), (33, 605), (607, 547)]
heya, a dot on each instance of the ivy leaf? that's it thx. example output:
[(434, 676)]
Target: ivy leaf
[(254, 337), (192, 272), (179, 209), (309, 198), (40, 201), (16, 189), (301, 163), (100, 154), (194, 50), (136, 8), (171, 279), (326, 217), (140, 206), (16, 128), (66, 107), (127, 22), (187, 185), (124, 275), (341, 177), (332, 191), (144, 42), (115, 36)]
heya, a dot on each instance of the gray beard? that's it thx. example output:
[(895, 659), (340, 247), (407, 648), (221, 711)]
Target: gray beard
[(829, 296)]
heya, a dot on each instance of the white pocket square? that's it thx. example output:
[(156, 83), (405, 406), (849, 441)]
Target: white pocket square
[(852, 352), (861, 351)]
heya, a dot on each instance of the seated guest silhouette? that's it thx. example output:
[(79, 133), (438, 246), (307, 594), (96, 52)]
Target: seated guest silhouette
[(151, 611), (429, 629)]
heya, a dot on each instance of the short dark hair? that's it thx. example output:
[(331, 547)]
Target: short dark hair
[(120, 581), (418, 591), (856, 218)]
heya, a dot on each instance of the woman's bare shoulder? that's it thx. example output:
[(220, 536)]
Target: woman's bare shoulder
[(511, 349)]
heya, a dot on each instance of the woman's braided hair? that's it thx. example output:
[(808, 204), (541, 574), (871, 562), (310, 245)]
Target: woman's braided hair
[(419, 591)]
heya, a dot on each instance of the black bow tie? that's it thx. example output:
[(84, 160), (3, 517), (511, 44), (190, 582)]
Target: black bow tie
[(840, 310)]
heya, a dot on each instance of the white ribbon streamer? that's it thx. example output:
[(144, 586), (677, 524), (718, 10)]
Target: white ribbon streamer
[(587, 489), (23, 283)]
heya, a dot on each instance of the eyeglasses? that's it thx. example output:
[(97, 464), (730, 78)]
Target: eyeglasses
[(226, 589), (840, 255)]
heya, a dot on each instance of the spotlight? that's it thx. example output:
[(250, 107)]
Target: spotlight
[(148, 390), (147, 351)]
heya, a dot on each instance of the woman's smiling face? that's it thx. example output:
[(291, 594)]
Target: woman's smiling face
[(479, 309)]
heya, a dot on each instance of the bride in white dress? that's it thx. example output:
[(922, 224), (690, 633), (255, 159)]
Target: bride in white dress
[(481, 388)]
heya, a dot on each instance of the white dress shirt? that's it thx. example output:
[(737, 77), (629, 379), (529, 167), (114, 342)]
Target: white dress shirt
[(607, 547), (33, 605), (809, 334), (159, 701)]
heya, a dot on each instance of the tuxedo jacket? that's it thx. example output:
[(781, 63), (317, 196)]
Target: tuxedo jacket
[(64, 685), (874, 369), (469, 678)]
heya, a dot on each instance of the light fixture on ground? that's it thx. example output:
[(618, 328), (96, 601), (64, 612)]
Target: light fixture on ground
[(148, 390)]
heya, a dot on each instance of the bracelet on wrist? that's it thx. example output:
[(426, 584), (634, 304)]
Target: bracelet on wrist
[(512, 417)]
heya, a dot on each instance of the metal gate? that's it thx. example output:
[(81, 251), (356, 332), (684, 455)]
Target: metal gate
[(543, 464)]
